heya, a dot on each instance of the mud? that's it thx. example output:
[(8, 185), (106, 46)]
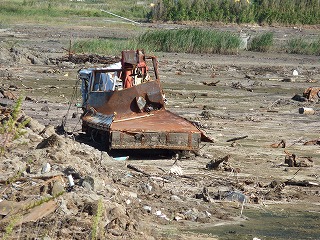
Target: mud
[(252, 97)]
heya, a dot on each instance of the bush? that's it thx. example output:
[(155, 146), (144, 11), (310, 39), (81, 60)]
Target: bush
[(11, 128)]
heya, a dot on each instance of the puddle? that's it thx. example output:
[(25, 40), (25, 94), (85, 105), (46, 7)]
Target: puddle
[(277, 223)]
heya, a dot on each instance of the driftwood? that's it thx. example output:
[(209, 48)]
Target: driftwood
[(210, 83), (303, 183), (25, 179), (138, 170), (237, 138), (281, 144), (312, 142)]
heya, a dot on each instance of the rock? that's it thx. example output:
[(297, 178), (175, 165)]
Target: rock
[(147, 208), (94, 184), (34, 125), (57, 188), (45, 109), (33, 136), (52, 141), (47, 131), (129, 194), (175, 198)]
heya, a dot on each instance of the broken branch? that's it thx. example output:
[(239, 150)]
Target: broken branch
[(237, 138)]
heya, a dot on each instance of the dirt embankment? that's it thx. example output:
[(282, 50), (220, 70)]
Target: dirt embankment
[(60, 187)]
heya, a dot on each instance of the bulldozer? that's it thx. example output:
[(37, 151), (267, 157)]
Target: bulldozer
[(124, 106)]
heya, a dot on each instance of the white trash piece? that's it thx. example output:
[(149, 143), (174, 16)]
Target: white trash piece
[(70, 180), (45, 168), (308, 111)]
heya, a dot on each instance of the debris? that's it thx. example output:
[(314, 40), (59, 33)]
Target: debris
[(311, 93), (287, 79), (210, 83), (46, 168), (291, 160), (175, 169), (295, 72), (70, 180), (121, 158), (303, 183), (307, 111), (236, 138), (214, 164), (127, 19), (53, 140), (147, 208), (312, 142), (8, 94), (137, 170), (281, 144), (84, 58), (299, 98), (238, 85)]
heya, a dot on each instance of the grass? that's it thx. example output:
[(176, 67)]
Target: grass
[(184, 40), (239, 11), (97, 221), (103, 46), (53, 10), (303, 46), (262, 43)]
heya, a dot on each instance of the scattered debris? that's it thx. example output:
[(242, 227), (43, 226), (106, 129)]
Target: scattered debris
[(214, 164), (299, 98), (307, 111), (312, 93), (210, 83), (176, 169), (312, 142), (291, 160), (238, 85), (236, 138), (84, 58), (281, 144)]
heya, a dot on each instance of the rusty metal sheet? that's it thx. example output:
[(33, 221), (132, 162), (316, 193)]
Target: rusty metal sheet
[(98, 120), (155, 121), (123, 102), (156, 130)]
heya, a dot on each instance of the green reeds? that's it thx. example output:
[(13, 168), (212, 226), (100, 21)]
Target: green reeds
[(262, 43), (239, 11), (303, 46), (190, 41)]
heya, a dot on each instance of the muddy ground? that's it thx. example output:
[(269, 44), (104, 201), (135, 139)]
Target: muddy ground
[(248, 95)]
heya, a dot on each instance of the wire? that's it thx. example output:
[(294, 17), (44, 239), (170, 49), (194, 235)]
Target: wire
[(73, 97)]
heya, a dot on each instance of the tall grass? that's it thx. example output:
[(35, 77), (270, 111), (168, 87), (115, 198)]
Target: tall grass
[(262, 43), (240, 11), (184, 40), (303, 46), (191, 41)]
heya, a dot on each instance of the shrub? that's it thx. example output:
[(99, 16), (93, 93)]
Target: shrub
[(11, 128)]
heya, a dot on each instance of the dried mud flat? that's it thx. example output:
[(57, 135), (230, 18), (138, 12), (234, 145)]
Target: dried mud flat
[(247, 95)]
